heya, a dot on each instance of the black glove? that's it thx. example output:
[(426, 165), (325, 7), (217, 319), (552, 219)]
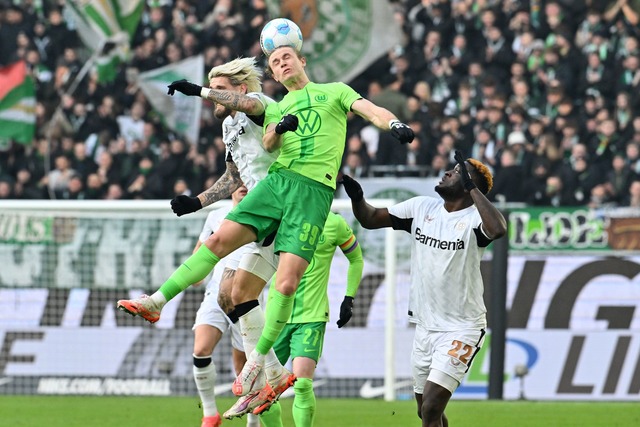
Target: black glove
[(184, 86), (467, 182), (401, 131), (182, 205), (287, 123), (346, 310), (353, 188)]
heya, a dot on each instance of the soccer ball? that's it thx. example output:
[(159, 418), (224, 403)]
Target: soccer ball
[(280, 32)]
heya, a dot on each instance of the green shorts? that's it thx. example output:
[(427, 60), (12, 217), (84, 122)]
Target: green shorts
[(294, 205), (300, 340)]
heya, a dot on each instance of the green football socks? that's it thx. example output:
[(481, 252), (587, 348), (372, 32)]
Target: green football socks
[(304, 403), (272, 417), (278, 312), (193, 270)]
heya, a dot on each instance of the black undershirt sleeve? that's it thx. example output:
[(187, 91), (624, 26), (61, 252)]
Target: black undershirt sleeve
[(401, 223)]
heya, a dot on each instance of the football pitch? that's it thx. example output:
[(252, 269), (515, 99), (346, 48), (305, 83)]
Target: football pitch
[(80, 411)]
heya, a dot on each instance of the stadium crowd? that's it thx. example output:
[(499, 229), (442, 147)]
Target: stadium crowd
[(545, 92)]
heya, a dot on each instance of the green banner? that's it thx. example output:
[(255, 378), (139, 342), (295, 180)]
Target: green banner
[(20, 228), (557, 229)]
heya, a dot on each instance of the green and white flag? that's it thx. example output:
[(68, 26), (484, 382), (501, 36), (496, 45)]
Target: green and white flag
[(178, 112), (107, 27), (341, 37), (17, 104)]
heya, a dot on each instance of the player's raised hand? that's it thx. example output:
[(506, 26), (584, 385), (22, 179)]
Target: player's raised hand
[(185, 87), (346, 311), (286, 124), (467, 182), (353, 188), (401, 131), (182, 205)]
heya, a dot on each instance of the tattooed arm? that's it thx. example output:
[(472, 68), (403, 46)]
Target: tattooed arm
[(229, 182), (234, 100)]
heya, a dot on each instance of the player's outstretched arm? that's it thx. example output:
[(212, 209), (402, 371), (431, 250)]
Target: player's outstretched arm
[(368, 216), (233, 100), (229, 182), (383, 119)]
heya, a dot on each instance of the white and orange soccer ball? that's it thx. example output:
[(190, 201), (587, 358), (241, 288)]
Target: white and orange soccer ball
[(280, 32)]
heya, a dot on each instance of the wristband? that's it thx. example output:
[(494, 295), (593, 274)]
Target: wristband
[(204, 92)]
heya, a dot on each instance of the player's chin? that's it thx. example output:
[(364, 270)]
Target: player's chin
[(221, 112)]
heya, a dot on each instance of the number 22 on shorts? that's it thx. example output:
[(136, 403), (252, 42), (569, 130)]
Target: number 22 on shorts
[(461, 351)]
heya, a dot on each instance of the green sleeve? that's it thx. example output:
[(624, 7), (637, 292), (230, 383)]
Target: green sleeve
[(354, 274), (351, 248)]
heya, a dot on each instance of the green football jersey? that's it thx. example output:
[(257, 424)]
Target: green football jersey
[(315, 148), (311, 303)]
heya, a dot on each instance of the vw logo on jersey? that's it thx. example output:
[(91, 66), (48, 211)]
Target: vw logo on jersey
[(309, 123)]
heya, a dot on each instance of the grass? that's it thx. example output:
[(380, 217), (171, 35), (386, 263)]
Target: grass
[(72, 411)]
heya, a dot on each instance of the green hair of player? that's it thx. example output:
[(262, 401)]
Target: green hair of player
[(240, 71), (485, 183)]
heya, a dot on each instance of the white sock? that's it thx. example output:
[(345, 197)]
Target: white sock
[(158, 299), (251, 325), (205, 379), (253, 420)]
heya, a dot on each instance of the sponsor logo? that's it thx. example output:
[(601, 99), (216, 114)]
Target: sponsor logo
[(105, 386), (369, 391), (306, 248), (437, 243)]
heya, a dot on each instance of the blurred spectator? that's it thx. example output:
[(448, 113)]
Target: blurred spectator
[(58, 179), (507, 183), (534, 188), (633, 198), (6, 189), (74, 190)]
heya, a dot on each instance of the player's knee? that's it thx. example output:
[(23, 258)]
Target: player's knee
[(201, 361), (431, 410), (219, 245), (288, 285)]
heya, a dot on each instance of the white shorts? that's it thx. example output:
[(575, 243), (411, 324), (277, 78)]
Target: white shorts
[(211, 314), (260, 261), (443, 357)]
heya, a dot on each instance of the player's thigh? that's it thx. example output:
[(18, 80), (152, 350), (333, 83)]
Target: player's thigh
[(308, 340), (290, 271), (230, 236), (454, 351), (206, 337), (247, 286), (261, 208), (305, 213)]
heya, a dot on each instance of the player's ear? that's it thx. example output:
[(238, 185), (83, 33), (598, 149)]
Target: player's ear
[(243, 88)]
